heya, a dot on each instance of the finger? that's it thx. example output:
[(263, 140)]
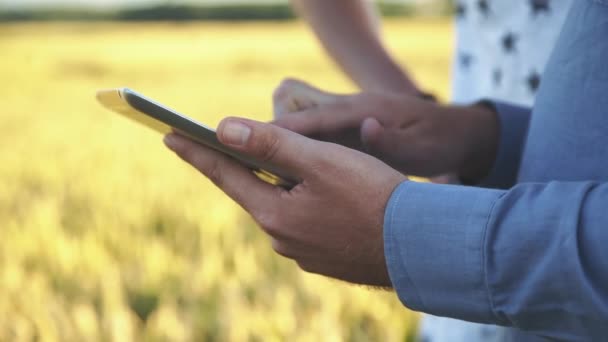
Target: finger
[(381, 141), (291, 152), (287, 103), (238, 182), (295, 95), (371, 133), (322, 119)]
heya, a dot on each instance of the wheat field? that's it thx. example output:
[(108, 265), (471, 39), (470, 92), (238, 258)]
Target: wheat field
[(106, 236)]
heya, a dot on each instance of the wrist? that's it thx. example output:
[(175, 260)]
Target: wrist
[(481, 138)]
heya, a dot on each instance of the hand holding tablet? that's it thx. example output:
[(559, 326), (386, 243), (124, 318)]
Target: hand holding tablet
[(164, 120)]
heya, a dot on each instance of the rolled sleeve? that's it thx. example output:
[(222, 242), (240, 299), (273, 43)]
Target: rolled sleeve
[(434, 235), (514, 122), (532, 257)]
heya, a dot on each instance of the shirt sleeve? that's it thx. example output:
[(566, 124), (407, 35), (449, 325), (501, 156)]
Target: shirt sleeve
[(513, 121), (532, 257)]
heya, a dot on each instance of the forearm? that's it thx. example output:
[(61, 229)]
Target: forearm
[(531, 257), (348, 30)]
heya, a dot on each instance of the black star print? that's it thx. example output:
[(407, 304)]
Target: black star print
[(509, 42), (461, 10), (539, 6), (465, 60), (533, 81), (484, 7), (497, 76)]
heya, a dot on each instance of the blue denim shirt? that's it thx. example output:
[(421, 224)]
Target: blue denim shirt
[(531, 254)]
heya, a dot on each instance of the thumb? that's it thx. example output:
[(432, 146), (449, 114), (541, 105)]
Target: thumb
[(371, 133), (269, 144), (294, 95)]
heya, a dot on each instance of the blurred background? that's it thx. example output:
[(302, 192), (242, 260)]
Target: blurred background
[(104, 234)]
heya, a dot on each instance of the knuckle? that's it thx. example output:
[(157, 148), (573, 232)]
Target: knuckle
[(281, 248), (289, 82), (212, 168), (268, 147), (325, 163), (188, 154), (284, 89), (193, 156), (269, 222), (214, 173), (306, 267), (280, 94)]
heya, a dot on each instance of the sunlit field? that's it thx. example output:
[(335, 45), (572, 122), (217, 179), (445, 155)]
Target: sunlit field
[(105, 235)]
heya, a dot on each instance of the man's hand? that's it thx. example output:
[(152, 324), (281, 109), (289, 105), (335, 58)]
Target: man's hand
[(415, 136), (331, 223)]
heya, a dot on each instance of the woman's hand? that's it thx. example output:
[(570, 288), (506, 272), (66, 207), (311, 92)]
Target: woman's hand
[(415, 136)]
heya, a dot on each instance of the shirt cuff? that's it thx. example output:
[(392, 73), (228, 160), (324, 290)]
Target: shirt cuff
[(434, 247), (514, 122)]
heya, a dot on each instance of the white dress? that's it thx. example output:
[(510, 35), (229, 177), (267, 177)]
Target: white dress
[(501, 51)]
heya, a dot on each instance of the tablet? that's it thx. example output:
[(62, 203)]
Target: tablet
[(164, 120)]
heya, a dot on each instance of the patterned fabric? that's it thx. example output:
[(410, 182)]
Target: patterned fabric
[(503, 46), (501, 52)]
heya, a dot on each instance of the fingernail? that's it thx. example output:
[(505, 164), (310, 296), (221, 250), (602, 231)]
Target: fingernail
[(235, 133)]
